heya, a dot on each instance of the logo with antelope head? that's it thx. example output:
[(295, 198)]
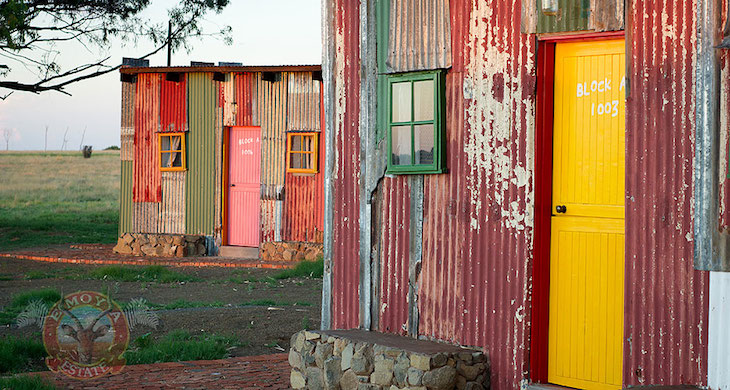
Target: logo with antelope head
[(86, 333)]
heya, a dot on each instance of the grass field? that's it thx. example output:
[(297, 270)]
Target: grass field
[(49, 198)]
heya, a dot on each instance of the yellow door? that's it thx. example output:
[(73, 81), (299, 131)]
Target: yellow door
[(587, 228)]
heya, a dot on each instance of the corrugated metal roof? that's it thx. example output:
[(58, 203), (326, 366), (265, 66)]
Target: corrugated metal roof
[(125, 198), (222, 69), (147, 179), (666, 299), (199, 186), (419, 35)]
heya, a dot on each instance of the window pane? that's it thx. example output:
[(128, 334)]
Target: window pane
[(296, 142), (165, 159), (175, 142), (423, 96), (423, 144), (295, 161), (402, 102), (165, 142), (401, 145), (176, 159), (307, 161), (307, 143)]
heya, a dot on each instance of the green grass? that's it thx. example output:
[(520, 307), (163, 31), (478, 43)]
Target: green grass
[(19, 301), (26, 382), (58, 198), (183, 304), (152, 273), (271, 302), (304, 269), (18, 354), (179, 345)]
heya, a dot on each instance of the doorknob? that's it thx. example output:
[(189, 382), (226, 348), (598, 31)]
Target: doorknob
[(233, 185), (561, 209)]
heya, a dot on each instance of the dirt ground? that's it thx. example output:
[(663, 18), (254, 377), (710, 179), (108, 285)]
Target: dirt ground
[(262, 329)]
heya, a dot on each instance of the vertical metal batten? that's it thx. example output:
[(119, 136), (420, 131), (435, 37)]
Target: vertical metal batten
[(328, 52), (710, 244)]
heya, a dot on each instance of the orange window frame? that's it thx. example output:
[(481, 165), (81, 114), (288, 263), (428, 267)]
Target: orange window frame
[(181, 150), (314, 153)]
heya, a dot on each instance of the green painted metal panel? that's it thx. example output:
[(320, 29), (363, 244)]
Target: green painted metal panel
[(572, 15), (125, 198), (200, 178)]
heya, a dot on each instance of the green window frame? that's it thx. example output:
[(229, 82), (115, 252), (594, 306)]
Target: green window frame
[(407, 127), (410, 128)]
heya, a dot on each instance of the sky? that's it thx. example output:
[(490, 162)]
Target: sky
[(271, 32)]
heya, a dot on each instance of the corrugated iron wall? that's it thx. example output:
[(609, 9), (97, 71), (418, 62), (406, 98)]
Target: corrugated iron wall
[(346, 213), (125, 199), (246, 97), (666, 299), (173, 105), (147, 178), (718, 375), (200, 183), (304, 198), (394, 258), (272, 109), (172, 208), (146, 217), (127, 129), (303, 111), (419, 35)]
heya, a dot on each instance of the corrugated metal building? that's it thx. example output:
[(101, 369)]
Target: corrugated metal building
[(232, 153), (598, 293)]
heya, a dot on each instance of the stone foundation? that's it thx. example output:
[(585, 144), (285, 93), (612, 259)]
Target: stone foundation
[(161, 245), (356, 359), (290, 251)]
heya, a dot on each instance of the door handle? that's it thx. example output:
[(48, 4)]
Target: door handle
[(233, 185), (561, 209)]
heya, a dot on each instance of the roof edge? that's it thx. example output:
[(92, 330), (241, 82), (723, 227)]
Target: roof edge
[(222, 69)]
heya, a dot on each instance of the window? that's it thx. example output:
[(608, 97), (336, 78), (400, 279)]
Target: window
[(301, 156), (415, 123), (172, 151)]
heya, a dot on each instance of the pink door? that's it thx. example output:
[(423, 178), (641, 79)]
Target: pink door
[(244, 186)]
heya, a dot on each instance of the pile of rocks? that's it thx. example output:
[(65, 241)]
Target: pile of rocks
[(290, 251), (161, 245), (347, 360)]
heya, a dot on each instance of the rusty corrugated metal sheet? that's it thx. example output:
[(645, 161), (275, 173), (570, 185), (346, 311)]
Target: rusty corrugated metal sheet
[(419, 35), (571, 16), (478, 219), (218, 162), (174, 105), (146, 217), (303, 111), (127, 129), (724, 139), (394, 258), (346, 213), (147, 179), (246, 95), (172, 208), (229, 100), (125, 198), (272, 102), (200, 179), (666, 299)]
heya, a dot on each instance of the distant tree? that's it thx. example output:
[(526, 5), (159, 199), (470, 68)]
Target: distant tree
[(30, 31), (113, 147)]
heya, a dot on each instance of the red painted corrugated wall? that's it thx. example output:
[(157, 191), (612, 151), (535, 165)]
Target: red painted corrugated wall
[(246, 96), (147, 177), (666, 299), (346, 213), (174, 105), (394, 256)]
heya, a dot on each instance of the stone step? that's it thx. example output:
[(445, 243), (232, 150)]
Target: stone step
[(241, 252)]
